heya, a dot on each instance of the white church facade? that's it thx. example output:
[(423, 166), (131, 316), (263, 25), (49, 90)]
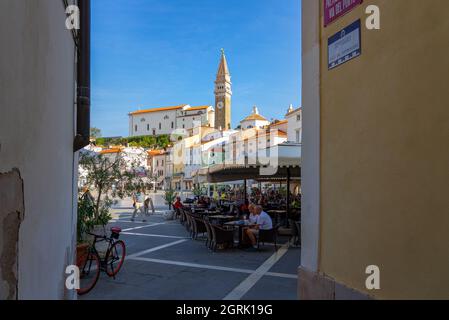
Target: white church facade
[(168, 120), (164, 121)]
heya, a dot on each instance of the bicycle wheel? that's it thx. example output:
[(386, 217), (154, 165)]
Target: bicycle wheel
[(89, 272), (115, 258)]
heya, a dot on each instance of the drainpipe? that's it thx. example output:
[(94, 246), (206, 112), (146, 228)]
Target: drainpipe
[(82, 137), (289, 177)]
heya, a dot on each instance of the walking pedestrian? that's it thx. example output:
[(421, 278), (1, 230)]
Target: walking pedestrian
[(138, 205)]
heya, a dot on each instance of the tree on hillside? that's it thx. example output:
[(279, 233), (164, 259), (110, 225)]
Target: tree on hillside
[(95, 133)]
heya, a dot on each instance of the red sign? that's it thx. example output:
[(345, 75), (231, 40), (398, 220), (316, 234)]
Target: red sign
[(334, 9)]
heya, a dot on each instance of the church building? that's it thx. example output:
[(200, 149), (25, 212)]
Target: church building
[(166, 120)]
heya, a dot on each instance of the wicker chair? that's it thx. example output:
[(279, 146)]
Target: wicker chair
[(199, 226), (177, 213), (210, 236), (295, 233), (182, 216), (221, 236), (298, 227), (189, 224), (268, 236)]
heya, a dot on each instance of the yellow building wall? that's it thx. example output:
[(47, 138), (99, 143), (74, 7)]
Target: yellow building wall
[(385, 153), (178, 157)]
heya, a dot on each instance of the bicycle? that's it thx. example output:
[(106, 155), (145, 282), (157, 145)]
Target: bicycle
[(92, 264)]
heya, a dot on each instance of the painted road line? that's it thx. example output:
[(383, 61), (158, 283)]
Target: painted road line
[(249, 282), (135, 255), (210, 267), (127, 221), (282, 275), (153, 235), (146, 226), (192, 265)]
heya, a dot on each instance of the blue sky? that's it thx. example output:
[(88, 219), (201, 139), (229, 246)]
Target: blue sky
[(155, 53)]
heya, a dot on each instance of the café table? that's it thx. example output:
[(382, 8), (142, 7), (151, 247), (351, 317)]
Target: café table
[(277, 213), (199, 209), (212, 212), (221, 218)]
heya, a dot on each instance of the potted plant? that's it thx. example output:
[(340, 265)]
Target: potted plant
[(116, 176), (84, 225), (169, 197), (198, 192)]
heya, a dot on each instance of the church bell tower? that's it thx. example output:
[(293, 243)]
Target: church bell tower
[(223, 94)]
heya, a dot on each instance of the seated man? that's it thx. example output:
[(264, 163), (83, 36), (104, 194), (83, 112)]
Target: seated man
[(264, 222)]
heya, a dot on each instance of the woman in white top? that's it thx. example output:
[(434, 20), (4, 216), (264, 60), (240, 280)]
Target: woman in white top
[(252, 213)]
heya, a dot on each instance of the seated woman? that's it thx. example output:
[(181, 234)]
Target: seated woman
[(178, 204), (252, 213)]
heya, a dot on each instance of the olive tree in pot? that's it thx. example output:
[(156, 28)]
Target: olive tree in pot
[(107, 176)]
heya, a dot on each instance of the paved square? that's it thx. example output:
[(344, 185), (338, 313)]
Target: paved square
[(163, 263)]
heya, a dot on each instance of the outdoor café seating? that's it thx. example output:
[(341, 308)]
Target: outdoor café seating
[(219, 222), (199, 227), (195, 224), (209, 240), (221, 236), (268, 236)]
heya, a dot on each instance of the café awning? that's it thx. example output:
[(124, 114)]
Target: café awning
[(278, 162)]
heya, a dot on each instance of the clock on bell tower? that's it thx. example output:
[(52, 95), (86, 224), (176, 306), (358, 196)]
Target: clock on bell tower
[(223, 94)]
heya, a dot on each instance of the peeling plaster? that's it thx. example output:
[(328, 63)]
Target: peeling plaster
[(11, 217)]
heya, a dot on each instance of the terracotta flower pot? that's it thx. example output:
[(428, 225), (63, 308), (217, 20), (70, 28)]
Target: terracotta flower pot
[(81, 254)]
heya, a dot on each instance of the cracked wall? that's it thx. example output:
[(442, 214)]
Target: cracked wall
[(37, 127), (11, 216)]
